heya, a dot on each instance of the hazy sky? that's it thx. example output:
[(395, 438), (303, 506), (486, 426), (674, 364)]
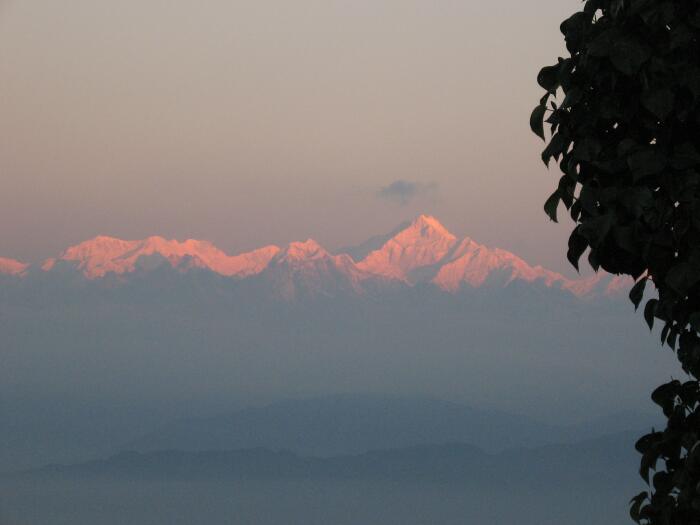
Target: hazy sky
[(253, 122)]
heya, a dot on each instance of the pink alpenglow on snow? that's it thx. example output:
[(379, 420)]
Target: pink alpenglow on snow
[(12, 267), (306, 266), (302, 251), (422, 252), (102, 255), (423, 244), (600, 283), (426, 251), (472, 264)]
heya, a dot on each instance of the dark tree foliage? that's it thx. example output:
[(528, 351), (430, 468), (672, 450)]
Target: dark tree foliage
[(624, 114)]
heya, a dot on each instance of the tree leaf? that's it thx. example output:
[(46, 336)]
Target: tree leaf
[(537, 120), (551, 205), (596, 229), (646, 162), (616, 6), (577, 245), (556, 147), (682, 277), (648, 463), (672, 337), (636, 504), (665, 395), (660, 102), (650, 312), (637, 292), (685, 156), (587, 149), (548, 78), (628, 54), (694, 321), (601, 45), (572, 97)]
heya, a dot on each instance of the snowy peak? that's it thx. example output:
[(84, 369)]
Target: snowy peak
[(249, 263), (302, 256), (425, 251), (424, 229), (101, 255), (12, 267), (420, 252), (428, 226), (472, 264), (97, 256), (305, 269), (424, 243), (599, 284), (302, 251)]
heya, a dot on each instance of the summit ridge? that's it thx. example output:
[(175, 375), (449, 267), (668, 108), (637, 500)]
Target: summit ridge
[(422, 251)]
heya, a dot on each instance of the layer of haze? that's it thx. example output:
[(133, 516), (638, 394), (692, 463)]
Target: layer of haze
[(248, 122)]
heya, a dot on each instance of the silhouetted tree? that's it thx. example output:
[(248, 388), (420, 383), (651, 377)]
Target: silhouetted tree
[(624, 115)]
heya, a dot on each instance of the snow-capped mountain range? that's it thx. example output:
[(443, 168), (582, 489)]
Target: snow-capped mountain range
[(423, 252)]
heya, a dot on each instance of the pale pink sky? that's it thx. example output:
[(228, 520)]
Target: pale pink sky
[(251, 122)]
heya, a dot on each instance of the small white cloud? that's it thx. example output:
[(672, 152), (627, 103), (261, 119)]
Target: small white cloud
[(403, 191)]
